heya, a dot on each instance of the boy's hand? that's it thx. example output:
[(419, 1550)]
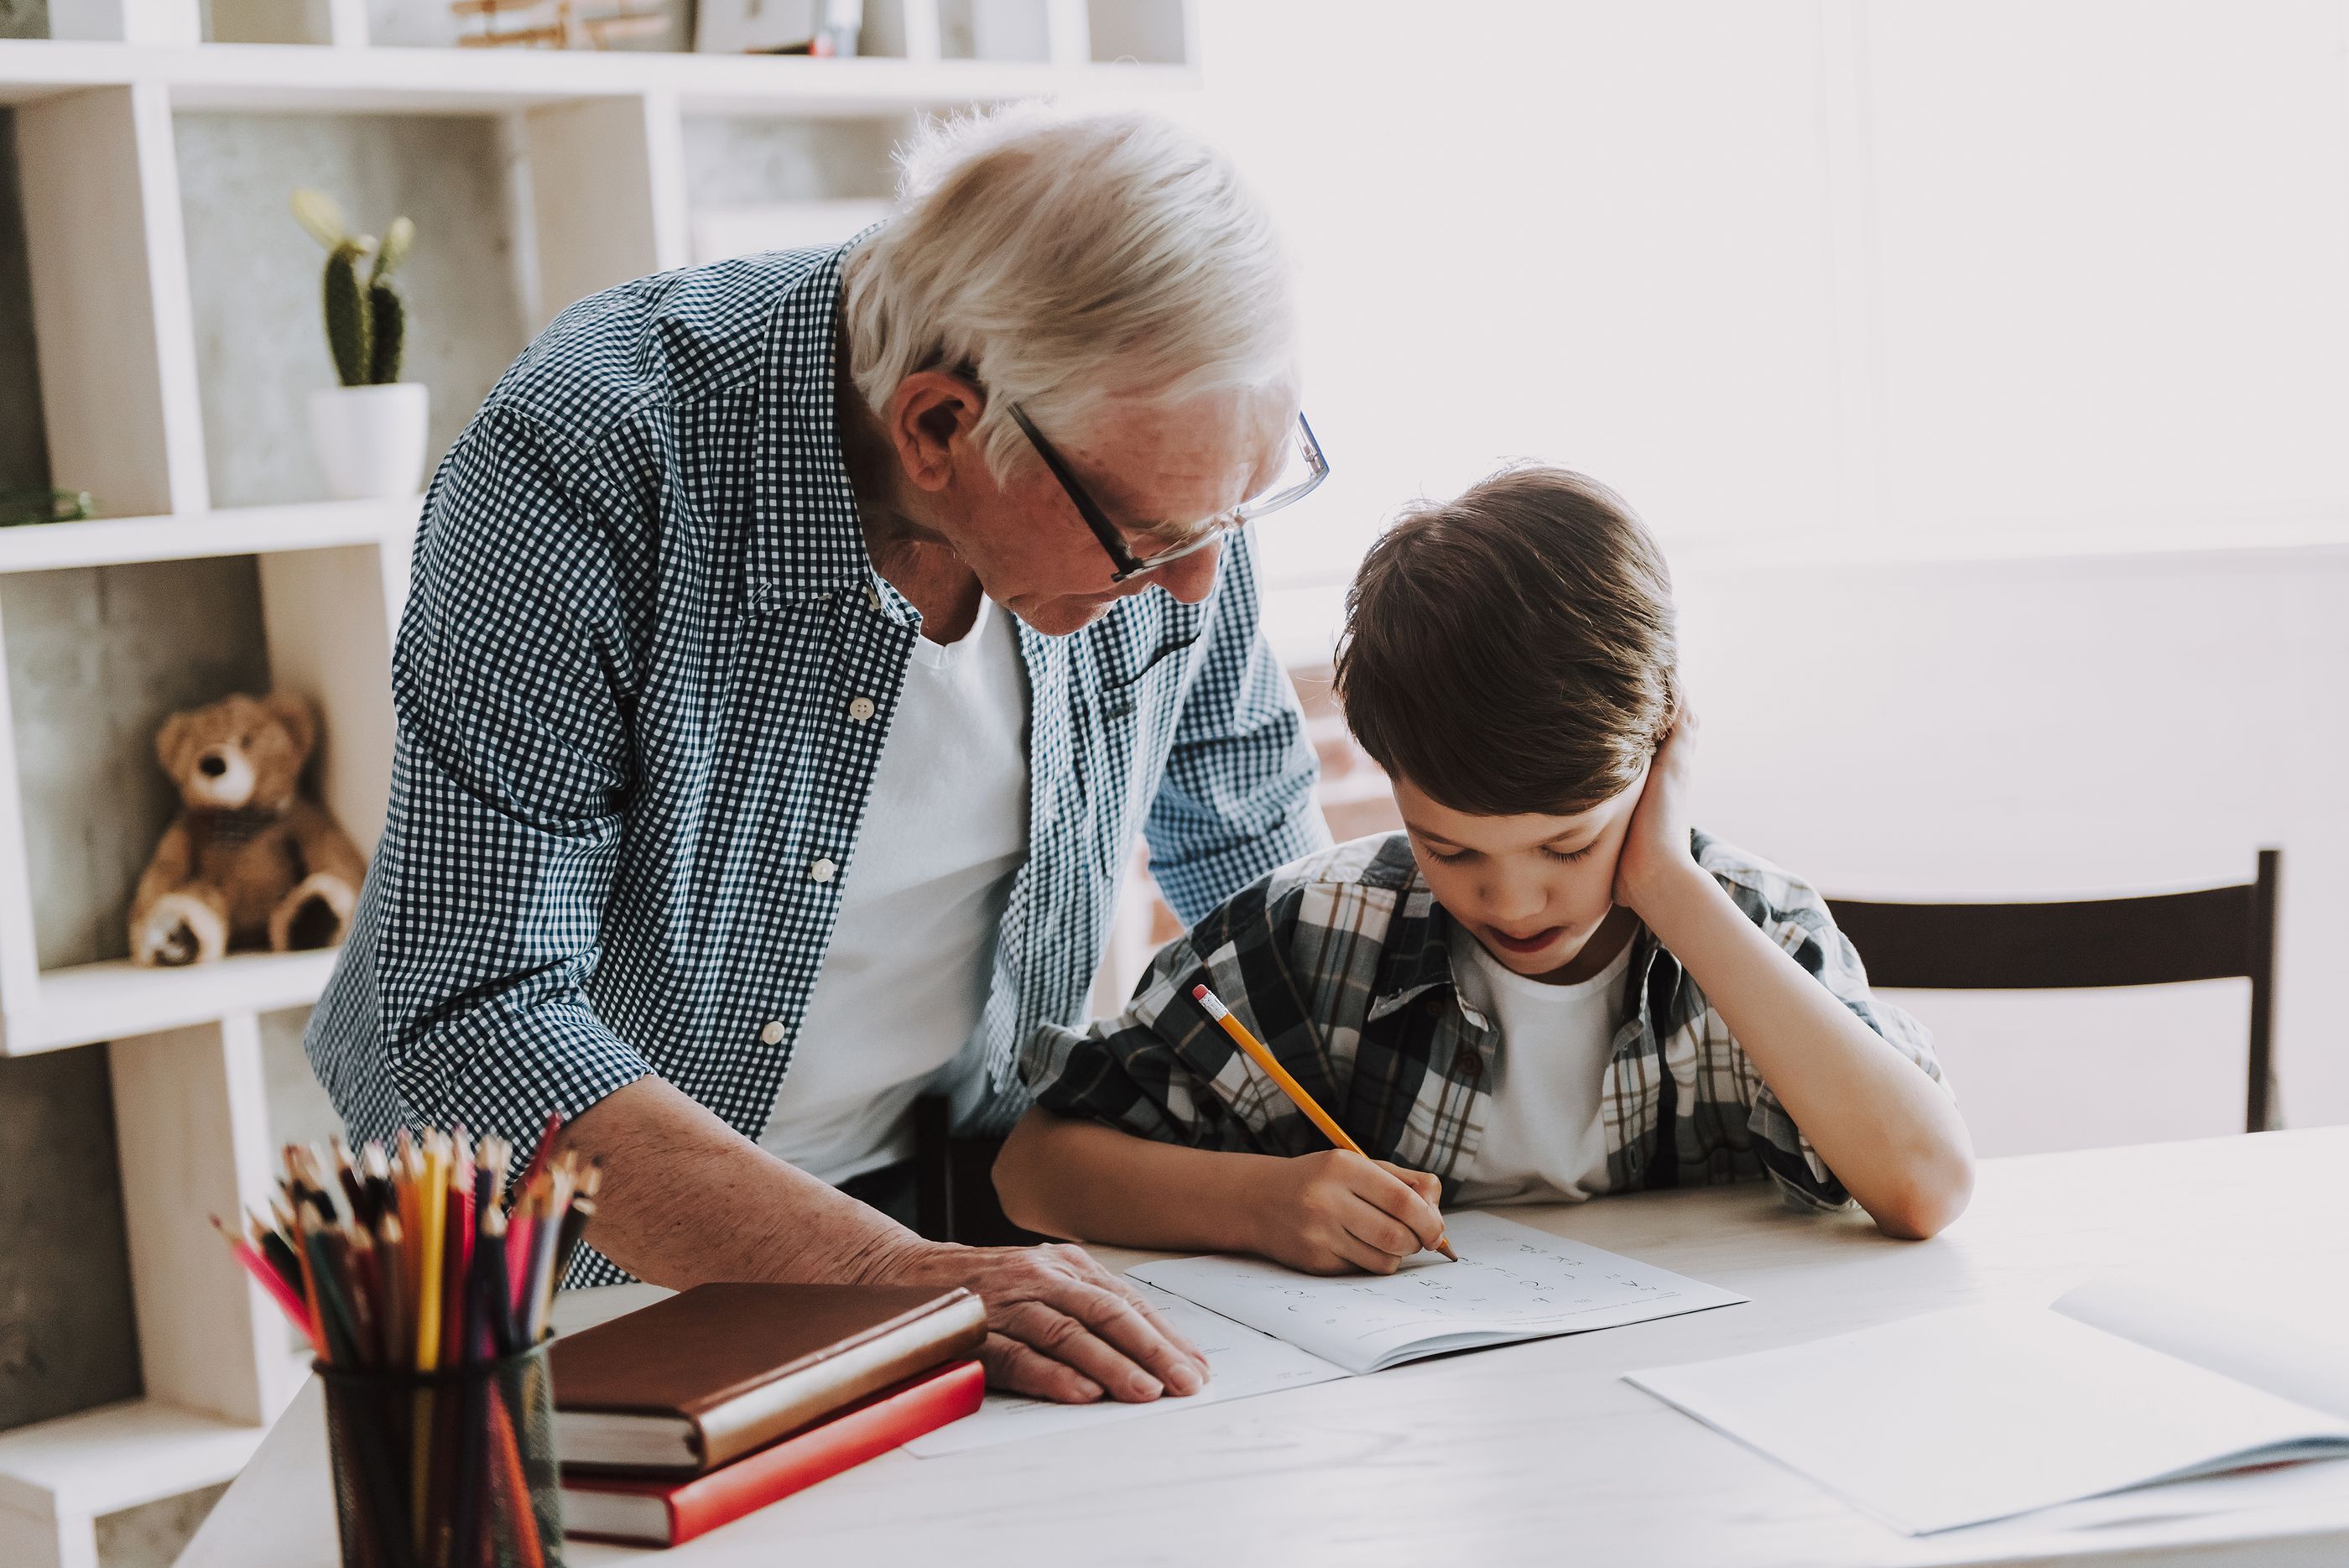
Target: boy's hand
[(1656, 847), (1330, 1212)]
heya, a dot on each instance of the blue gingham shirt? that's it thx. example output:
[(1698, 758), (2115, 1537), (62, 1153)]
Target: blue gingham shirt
[(628, 780)]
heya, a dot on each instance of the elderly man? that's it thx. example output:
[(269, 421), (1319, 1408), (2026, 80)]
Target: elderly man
[(797, 646)]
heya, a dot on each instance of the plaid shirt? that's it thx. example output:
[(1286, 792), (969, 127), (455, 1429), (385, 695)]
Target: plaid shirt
[(1341, 965), (632, 763)]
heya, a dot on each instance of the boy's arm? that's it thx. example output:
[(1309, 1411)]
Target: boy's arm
[(1152, 1129), (1890, 1134), (1323, 1214)]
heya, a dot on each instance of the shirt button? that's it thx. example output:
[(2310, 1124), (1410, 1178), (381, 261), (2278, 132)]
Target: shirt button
[(773, 1034), (873, 596), (824, 870), (860, 709)]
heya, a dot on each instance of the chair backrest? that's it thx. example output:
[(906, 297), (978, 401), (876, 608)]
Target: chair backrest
[(954, 1183), (2158, 938)]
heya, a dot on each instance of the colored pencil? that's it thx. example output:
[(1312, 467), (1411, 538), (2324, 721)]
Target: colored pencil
[(288, 1297), (379, 1258), (1255, 1051)]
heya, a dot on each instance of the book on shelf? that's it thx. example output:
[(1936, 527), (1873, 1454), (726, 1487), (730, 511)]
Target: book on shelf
[(711, 1374)]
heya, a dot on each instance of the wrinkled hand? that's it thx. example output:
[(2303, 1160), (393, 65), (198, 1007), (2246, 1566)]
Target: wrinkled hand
[(1656, 845), (1333, 1212), (1059, 1325)]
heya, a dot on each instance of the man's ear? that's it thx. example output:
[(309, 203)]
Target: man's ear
[(927, 413)]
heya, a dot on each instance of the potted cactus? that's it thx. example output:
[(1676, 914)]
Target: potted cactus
[(370, 431)]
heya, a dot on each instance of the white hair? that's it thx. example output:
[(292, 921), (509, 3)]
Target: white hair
[(1059, 260)]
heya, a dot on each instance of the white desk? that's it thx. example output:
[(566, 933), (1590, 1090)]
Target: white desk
[(1539, 1452)]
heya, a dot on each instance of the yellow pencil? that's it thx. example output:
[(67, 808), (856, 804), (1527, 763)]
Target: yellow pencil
[(1289, 1086), (432, 1212)]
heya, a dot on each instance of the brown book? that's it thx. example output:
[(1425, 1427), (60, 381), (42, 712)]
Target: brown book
[(690, 1383)]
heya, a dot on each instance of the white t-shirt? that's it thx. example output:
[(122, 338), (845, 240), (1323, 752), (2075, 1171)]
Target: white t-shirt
[(945, 831), (1544, 1140)]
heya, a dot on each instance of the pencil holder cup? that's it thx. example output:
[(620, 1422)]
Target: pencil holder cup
[(450, 1469)]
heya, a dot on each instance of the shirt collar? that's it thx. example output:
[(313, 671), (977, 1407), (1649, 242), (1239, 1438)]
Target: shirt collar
[(807, 542), (1418, 951)]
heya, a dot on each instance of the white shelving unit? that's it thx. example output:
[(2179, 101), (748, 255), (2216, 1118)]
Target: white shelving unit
[(602, 136)]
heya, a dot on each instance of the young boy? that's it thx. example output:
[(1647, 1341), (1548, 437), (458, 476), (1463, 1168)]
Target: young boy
[(1546, 987)]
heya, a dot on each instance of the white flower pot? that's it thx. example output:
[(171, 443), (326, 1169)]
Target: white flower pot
[(369, 439)]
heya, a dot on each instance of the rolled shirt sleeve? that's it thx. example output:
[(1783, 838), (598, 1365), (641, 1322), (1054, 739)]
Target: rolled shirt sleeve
[(510, 781), (1236, 799), (1142, 1071)]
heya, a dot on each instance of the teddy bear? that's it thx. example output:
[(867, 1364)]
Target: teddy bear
[(249, 862)]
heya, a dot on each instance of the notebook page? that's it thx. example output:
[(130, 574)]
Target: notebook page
[(1241, 1361), (1512, 1283), (1959, 1418), (2278, 1328)]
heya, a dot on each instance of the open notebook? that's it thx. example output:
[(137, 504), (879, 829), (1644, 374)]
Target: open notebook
[(1982, 1413), (1512, 1283), (1264, 1328)]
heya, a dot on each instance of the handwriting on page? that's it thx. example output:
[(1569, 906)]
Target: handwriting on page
[(1527, 1284), (1511, 1282)]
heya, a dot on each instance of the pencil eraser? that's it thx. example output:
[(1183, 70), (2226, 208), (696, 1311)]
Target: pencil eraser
[(1198, 993)]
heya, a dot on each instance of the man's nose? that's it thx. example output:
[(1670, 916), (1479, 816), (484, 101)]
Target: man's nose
[(1193, 577)]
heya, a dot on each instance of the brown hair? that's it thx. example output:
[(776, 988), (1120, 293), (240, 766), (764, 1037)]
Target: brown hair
[(1512, 652)]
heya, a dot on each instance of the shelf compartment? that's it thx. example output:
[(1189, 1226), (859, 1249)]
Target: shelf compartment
[(299, 598), (108, 295), (253, 276)]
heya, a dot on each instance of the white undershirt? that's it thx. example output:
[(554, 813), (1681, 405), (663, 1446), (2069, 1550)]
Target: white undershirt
[(1544, 1140), (945, 830)]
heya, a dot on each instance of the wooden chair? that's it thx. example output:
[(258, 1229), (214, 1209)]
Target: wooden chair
[(2160, 939), (954, 1183)]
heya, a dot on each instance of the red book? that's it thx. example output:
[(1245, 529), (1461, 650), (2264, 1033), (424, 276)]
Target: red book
[(666, 1511)]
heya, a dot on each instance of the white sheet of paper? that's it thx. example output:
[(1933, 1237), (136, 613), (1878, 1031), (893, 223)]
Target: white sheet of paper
[(2278, 1326), (1512, 1283), (1242, 1361), (1982, 1413)]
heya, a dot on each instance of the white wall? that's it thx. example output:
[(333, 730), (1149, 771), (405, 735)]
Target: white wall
[(1985, 369)]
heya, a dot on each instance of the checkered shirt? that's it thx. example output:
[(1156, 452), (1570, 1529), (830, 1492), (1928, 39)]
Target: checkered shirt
[(629, 778), (1341, 965)]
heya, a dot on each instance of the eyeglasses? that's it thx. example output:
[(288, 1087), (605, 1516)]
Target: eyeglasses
[(1305, 449)]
